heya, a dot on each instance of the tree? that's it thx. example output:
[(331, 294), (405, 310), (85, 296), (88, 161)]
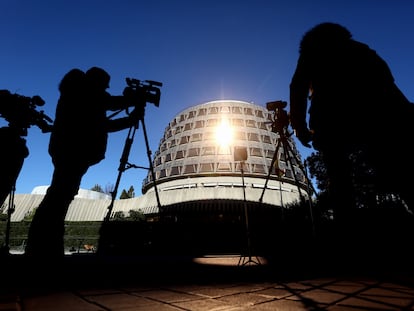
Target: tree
[(127, 194), (136, 215), (317, 170), (97, 188)]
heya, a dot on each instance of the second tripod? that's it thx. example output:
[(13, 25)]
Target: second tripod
[(280, 125)]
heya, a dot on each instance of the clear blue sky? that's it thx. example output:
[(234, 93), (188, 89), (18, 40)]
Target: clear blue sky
[(199, 50)]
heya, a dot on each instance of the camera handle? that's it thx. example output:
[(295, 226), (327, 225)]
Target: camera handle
[(124, 165)]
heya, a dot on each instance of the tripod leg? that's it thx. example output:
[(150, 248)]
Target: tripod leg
[(270, 169), (288, 153), (150, 164), (122, 167)]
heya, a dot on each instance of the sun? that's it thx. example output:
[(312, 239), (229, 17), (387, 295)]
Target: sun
[(224, 133)]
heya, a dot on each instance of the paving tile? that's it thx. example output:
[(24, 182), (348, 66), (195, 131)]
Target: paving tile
[(167, 295), (205, 304), (62, 301), (121, 301), (244, 299)]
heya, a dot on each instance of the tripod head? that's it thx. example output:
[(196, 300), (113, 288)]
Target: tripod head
[(280, 121)]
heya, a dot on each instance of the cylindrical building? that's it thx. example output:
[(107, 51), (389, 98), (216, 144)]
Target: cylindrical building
[(206, 148)]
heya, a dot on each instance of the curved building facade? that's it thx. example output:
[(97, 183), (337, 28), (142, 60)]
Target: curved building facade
[(210, 151)]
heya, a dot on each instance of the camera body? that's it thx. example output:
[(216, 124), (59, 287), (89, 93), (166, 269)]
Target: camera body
[(275, 105), (20, 111), (280, 116), (142, 92)]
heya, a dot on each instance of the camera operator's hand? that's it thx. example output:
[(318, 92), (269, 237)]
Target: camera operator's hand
[(305, 136)]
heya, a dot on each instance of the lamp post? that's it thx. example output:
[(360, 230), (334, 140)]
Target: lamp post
[(240, 155)]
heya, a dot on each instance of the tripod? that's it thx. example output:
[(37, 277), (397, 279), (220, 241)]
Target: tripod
[(243, 261), (280, 125), (124, 165)]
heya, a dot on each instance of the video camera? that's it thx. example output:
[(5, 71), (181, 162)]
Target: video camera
[(280, 116), (20, 111), (142, 92)]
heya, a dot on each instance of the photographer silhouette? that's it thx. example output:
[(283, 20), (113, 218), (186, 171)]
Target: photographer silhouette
[(78, 141), (20, 113), (356, 109)]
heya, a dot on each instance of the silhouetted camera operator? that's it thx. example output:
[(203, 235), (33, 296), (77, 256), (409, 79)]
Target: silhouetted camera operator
[(355, 108), (20, 113), (78, 141)]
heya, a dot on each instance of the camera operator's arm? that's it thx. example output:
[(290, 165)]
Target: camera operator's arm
[(116, 102), (114, 125), (299, 92)]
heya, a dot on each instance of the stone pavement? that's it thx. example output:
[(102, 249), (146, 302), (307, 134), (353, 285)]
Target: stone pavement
[(207, 283)]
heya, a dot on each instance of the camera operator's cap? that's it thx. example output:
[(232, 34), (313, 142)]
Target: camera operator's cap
[(98, 76)]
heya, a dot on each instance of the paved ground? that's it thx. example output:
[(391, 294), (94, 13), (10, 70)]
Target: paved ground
[(209, 283)]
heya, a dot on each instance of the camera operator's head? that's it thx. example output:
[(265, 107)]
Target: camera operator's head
[(97, 78), (73, 80), (323, 36)]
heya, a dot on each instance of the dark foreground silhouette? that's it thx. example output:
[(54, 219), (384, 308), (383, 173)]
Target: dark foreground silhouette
[(357, 115)]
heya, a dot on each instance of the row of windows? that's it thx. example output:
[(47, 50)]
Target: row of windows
[(220, 167), (220, 110), (210, 151), (197, 137), (214, 123)]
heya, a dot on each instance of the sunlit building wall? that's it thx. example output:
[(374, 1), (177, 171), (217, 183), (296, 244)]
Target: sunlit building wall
[(198, 159)]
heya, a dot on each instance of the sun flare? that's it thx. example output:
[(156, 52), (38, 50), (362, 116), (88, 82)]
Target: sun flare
[(224, 133)]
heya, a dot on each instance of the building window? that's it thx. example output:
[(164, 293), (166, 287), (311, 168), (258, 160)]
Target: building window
[(191, 114), (269, 153), (184, 140), (199, 124), (209, 136), (250, 123), (259, 168), (162, 174), (178, 129), (262, 125), (240, 135), (188, 126), (266, 139), (206, 167), (182, 117), (158, 161), (259, 113), (248, 111), (223, 167), (209, 151), (193, 152), (213, 110), (168, 157), (190, 168), (212, 122), (196, 137), (252, 137), (237, 122), (223, 150), (256, 152), (202, 111), (175, 170), (180, 154), (225, 109), (236, 110)]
